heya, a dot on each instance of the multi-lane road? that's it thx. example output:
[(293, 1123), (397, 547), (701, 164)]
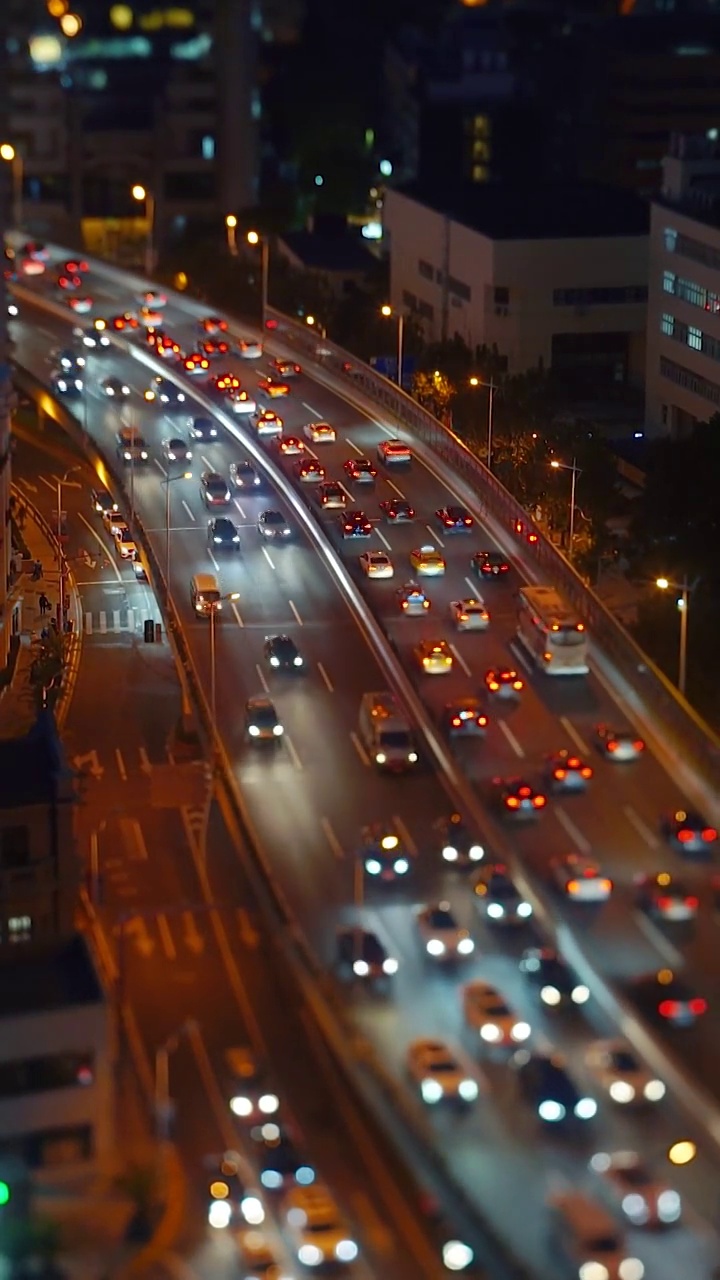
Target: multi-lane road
[(311, 800)]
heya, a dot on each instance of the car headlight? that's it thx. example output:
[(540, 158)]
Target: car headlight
[(654, 1090), (465, 947), (310, 1255), (127, 456), (252, 1210), (236, 537), (143, 455), (219, 1214), (431, 1091), (346, 1251), (449, 853), (78, 384), (495, 910), (380, 758), (217, 541), (297, 662), (361, 968), (520, 1032), (109, 391), (305, 1175), (585, 1108), (412, 757), (468, 1090), (669, 1206), (253, 731), (524, 910), (580, 994), (476, 853), (551, 1111), (635, 1207), (390, 965), (125, 390), (271, 1179), (621, 1091), (241, 1106), (268, 1104), (435, 947), (401, 866), (490, 1033), (550, 995), (278, 730), (373, 867)]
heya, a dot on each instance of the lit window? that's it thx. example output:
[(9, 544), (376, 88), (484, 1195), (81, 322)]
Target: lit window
[(208, 147), (479, 173), (481, 150), (19, 928), (670, 236), (669, 281), (481, 127), (694, 338), (668, 324)]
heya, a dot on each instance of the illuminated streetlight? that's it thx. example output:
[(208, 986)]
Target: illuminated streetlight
[(143, 196), (682, 602), (11, 156), (254, 238), (492, 388), (57, 8), (388, 313), (682, 1152), (231, 231), (576, 471), (70, 25)]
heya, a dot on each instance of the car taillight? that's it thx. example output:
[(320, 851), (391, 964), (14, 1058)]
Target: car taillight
[(539, 802), (586, 772), (482, 722), (612, 745), (517, 684), (512, 802), (524, 792), (572, 886), (698, 1005), (638, 744), (560, 774), (456, 722), (684, 835), (709, 834), (692, 903), (607, 885), (426, 604), (493, 686), (468, 520), (663, 903), (667, 1008), (532, 537)]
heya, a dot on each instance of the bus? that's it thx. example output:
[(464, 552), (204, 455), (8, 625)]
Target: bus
[(551, 632)]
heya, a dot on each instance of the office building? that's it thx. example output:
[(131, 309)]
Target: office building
[(555, 277), (683, 347)]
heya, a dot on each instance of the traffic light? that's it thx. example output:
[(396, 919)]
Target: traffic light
[(4, 1192)]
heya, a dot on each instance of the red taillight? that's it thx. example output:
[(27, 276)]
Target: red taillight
[(664, 903), (63, 281), (482, 722), (667, 1008), (698, 1005), (539, 802), (560, 774), (573, 763), (269, 324), (468, 520), (709, 834), (456, 721), (684, 836), (586, 772), (493, 686), (512, 802), (517, 684), (532, 537), (426, 604), (524, 792), (638, 744), (692, 903), (612, 745), (607, 885)]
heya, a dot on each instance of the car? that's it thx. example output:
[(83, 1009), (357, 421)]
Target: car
[(244, 476), (668, 899), (282, 653), (75, 267), (567, 772), (203, 429), (669, 999), (220, 383), (690, 834), (354, 524), (125, 544), (394, 453), (214, 347), (580, 879), (114, 388), (309, 471), (195, 364), (67, 384), (168, 349), (442, 1074), (316, 1227), (504, 682), (259, 1255), (621, 746), (131, 445), (458, 846), (240, 402), (223, 534), (397, 511), (617, 1070), (278, 1159), (516, 798), (139, 570), (274, 526), (262, 723), (103, 503), (35, 250), (249, 349), (412, 600), (360, 471), (163, 392), (427, 561), (497, 898), (213, 325), (81, 306), (383, 854), (214, 489), (643, 1198), (151, 298), (67, 282), (94, 338), (488, 1012), (117, 524), (121, 323), (267, 422), (290, 446), (284, 368), (464, 718), (252, 1098), (454, 519), (469, 614), (434, 657), (331, 496), (376, 564), (273, 387), (67, 360), (555, 981), (441, 935), (544, 1080), (320, 432), (149, 316), (175, 449), (361, 952)]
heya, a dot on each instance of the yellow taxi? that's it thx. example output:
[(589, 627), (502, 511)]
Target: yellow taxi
[(435, 657), (427, 560), (273, 387)]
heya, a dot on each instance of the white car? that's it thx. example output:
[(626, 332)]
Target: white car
[(248, 349), (442, 1074), (152, 299), (320, 432), (580, 879), (81, 306), (240, 402), (626, 1080), (488, 1013), (442, 937), (470, 614), (376, 564), (316, 1226), (150, 316), (645, 1201)]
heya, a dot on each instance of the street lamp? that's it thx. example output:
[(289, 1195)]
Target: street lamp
[(163, 1101), (492, 388), (231, 231), (388, 312), (214, 608), (682, 603), (576, 471), (12, 156), (254, 238), (143, 196), (314, 323), (61, 480), (187, 475)]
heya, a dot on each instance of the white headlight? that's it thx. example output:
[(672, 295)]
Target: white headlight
[(431, 1091), (631, 1269), (278, 730), (456, 1255), (297, 662), (274, 662), (252, 1210), (580, 994), (495, 910), (310, 1255), (490, 1033), (401, 866), (253, 731), (268, 1103), (476, 853), (551, 1111), (524, 910), (550, 995), (143, 455), (361, 968), (241, 1106), (125, 390), (621, 1091), (593, 1271), (346, 1251), (520, 1032), (465, 947), (412, 757), (380, 758), (390, 965), (219, 1214), (109, 391), (217, 542), (373, 867), (585, 1108), (271, 1179), (449, 853), (635, 1208), (435, 947), (468, 1090), (669, 1206), (654, 1090)]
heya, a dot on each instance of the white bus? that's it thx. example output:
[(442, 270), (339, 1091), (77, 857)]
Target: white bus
[(552, 632)]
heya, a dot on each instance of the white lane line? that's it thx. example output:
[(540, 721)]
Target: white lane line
[(326, 679), (292, 752), (511, 739), (404, 834), (460, 660), (295, 613), (473, 588), (332, 839), (236, 611), (120, 764), (166, 937), (354, 446), (160, 466), (360, 748), (208, 464), (658, 940), (268, 557), (102, 546), (314, 412), (572, 732), (641, 826), (581, 843), (242, 513), (434, 535), (395, 489), (190, 514), (388, 430), (382, 538), (215, 563), (261, 677)]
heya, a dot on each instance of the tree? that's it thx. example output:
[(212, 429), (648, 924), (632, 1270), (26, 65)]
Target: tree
[(433, 391)]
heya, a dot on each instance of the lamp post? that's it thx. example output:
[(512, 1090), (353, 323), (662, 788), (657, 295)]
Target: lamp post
[(682, 602), (388, 312), (215, 607), (231, 232), (254, 238), (186, 475), (163, 1101), (576, 471), (314, 323), (12, 156), (62, 480), (492, 388), (147, 198)]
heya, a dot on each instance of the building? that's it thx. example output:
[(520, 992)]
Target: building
[(330, 252), (553, 277), (683, 348)]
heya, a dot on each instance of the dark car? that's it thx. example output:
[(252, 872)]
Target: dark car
[(553, 978), (204, 429), (354, 524), (280, 1164), (282, 653), (360, 470), (516, 798), (568, 772), (498, 899), (488, 564), (666, 898), (163, 392), (262, 723), (360, 952), (103, 503), (668, 999), (115, 388), (223, 534), (214, 489), (454, 519), (396, 511), (69, 361), (67, 384), (690, 834), (384, 857), (464, 718), (548, 1087), (244, 476), (274, 526), (459, 846)]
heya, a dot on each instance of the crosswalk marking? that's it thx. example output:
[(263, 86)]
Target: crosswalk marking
[(119, 620)]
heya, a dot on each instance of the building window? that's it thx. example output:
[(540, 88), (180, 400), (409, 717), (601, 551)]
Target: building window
[(425, 269), (425, 310), (691, 292), (41, 1075), (683, 377), (479, 173), (481, 150), (669, 281), (459, 289), (409, 300), (667, 324), (481, 126), (698, 251), (207, 147), (14, 847), (694, 338), (670, 237), (19, 929), (501, 296), (600, 297)]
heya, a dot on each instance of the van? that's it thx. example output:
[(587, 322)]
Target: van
[(590, 1238), (386, 732), (205, 593)]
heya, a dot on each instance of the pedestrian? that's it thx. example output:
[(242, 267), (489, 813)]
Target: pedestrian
[(44, 604), (37, 572)]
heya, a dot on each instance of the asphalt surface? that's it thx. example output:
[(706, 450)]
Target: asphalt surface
[(311, 799)]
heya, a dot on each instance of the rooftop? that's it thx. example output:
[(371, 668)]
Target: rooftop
[(32, 767), (559, 212), (328, 252), (48, 977)]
